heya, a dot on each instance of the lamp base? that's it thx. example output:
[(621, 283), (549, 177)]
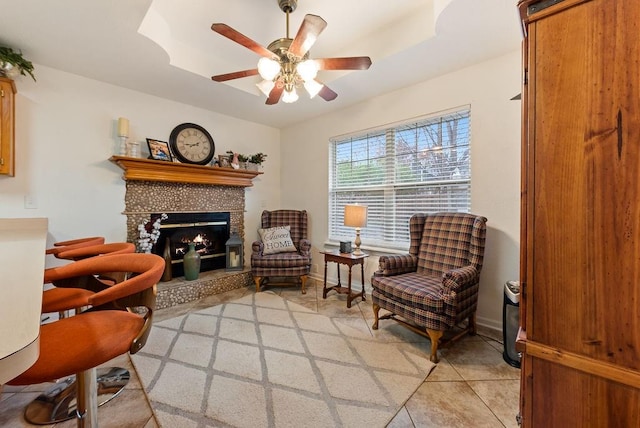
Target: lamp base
[(357, 243)]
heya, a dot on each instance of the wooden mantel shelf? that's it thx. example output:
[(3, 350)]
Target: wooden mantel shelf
[(154, 170)]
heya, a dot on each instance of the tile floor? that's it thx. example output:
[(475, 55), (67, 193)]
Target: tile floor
[(471, 385)]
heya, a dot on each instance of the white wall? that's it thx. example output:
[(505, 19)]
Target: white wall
[(65, 134), (495, 154)]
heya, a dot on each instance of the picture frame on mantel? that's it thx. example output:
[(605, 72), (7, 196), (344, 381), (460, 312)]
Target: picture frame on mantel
[(159, 150)]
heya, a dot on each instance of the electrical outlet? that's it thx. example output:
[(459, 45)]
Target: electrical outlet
[(30, 202), (314, 268)]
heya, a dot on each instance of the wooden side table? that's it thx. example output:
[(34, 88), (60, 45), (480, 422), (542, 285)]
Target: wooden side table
[(347, 259)]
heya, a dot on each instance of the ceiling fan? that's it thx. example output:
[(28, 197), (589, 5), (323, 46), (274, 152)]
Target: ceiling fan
[(285, 63)]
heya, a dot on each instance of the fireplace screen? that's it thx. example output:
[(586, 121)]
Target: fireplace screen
[(209, 231)]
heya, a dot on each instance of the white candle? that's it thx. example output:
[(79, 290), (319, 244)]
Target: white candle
[(233, 259), (123, 127)]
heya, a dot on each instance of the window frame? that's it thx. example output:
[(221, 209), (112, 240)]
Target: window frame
[(427, 184)]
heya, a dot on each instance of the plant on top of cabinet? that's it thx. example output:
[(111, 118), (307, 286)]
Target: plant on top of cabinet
[(13, 63)]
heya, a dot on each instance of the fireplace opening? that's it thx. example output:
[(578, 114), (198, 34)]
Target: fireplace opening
[(209, 231)]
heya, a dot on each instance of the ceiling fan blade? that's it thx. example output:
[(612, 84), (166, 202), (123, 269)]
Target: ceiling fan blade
[(234, 75), (327, 93), (275, 94), (307, 35), (231, 34), (346, 63)]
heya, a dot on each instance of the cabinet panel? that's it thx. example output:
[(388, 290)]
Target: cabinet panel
[(576, 399), (581, 213), (7, 155), (585, 192)]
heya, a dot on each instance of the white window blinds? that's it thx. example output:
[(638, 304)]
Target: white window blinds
[(417, 166)]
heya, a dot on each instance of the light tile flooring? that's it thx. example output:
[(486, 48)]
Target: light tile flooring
[(471, 385)]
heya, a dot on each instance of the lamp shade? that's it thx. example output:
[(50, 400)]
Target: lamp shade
[(266, 86), (290, 96), (268, 68), (313, 87), (355, 215), (307, 70)]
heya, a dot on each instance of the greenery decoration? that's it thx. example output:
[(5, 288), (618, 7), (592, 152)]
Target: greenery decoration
[(258, 158), (8, 55)]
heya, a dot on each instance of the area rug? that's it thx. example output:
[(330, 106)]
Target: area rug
[(263, 361)]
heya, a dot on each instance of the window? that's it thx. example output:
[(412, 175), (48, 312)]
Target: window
[(401, 169)]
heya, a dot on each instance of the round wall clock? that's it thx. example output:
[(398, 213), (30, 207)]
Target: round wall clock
[(191, 143)]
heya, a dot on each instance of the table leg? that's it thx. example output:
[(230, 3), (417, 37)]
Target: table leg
[(349, 296), (362, 273), (324, 287)]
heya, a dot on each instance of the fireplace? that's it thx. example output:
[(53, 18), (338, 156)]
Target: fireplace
[(146, 198), (209, 231)]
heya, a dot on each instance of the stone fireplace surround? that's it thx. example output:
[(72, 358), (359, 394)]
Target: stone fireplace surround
[(143, 198)]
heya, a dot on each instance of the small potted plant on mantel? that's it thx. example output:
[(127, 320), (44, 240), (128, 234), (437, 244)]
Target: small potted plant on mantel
[(13, 63), (255, 161), (243, 160)]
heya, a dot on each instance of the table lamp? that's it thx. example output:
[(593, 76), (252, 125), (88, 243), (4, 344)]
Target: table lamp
[(356, 216)]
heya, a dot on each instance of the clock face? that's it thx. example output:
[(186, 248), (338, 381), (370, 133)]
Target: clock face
[(192, 143)]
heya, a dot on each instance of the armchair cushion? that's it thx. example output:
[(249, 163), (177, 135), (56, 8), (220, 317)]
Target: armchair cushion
[(276, 240), (280, 261), (414, 289)]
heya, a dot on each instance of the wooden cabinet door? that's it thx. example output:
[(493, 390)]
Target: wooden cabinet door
[(7, 161), (582, 220)]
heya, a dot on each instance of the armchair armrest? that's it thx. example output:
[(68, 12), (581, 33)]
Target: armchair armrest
[(304, 247), (256, 248), (456, 280), (396, 265)]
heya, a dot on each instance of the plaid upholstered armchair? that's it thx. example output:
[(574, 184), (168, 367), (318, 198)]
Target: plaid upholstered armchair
[(284, 250), (435, 286)]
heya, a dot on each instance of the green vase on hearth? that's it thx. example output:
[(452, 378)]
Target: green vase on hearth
[(191, 263)]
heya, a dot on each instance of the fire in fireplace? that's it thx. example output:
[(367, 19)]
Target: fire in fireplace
[(209, 231)]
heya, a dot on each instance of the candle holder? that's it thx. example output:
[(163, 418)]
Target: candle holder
[(123, 134), (235, 252), (133, 149), (123, 145)]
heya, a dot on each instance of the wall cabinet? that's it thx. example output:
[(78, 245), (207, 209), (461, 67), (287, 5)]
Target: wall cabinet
[(580, 236), (7, 124)]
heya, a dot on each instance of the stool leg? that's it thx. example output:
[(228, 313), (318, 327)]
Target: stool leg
[(87, 399)]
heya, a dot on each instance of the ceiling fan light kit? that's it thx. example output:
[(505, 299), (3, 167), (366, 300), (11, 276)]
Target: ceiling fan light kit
[(285, 63)]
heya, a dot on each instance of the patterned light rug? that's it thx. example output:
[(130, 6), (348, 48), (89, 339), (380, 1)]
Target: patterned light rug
[(262, 361)]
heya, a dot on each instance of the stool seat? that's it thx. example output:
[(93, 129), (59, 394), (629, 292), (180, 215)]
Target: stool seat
[(81, 342)]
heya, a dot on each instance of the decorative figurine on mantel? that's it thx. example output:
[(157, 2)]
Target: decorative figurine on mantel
[(235, 163)]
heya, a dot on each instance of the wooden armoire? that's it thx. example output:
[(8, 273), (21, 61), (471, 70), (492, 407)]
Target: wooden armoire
[(580, 217)]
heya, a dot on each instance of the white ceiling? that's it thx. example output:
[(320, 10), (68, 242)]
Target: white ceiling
[(166, 47)]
